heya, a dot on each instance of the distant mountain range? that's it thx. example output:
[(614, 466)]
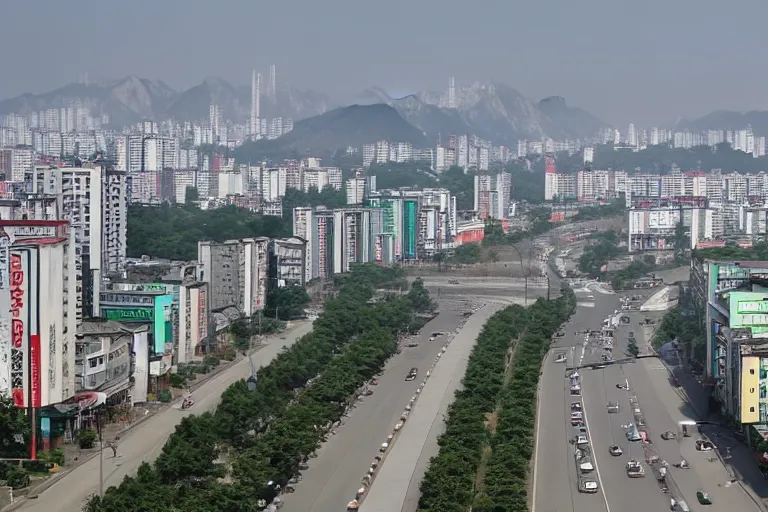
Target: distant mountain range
[(728, 120), (133, 99), (334, 130), (494, 112)]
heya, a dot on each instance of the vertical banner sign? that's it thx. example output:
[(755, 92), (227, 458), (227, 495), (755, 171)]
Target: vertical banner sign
[(19, 287), (34, 377), (5, 318), (5, 243), (31, 278)]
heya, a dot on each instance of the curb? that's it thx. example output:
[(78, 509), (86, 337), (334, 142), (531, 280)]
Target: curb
[(83, 459), (682, 394)]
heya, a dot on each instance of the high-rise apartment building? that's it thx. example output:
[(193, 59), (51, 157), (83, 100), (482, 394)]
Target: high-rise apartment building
[(37, 312), (93, 200)]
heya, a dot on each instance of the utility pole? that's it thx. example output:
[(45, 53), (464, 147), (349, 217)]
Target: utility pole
[(101, 456)]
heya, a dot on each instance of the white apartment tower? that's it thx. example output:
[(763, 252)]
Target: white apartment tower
[(214, 120), (94, 202), (272, 81), (255, 106), (452, 93), (302, 227)]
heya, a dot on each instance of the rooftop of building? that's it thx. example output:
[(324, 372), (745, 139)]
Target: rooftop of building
[(99, 326)]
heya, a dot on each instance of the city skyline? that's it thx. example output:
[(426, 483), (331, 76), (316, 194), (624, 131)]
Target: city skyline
[(695, 81)]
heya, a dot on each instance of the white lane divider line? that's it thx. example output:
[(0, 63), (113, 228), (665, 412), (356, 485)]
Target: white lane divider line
[(594, 458)]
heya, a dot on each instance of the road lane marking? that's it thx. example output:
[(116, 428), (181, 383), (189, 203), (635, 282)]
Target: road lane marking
[(592, 445), (538, 437)]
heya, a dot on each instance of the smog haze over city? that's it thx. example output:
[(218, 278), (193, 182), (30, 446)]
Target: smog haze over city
[(644, 62)]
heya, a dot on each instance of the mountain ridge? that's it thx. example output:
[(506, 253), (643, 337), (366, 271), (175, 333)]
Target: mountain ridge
[(496, 112), (492, 111), (337, 129), (727, 120), (132, 99)]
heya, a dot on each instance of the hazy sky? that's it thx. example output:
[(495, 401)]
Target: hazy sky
[(646, 61)]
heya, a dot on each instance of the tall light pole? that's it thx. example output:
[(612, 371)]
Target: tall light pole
[(522, 269)]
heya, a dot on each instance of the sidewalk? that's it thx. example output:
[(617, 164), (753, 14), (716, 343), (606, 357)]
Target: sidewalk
[(133, 449), (741, 459), (732, 450)]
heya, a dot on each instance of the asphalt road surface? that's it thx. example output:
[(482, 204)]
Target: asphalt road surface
[(555, 483), (335, 474), (145, 442), (663, 409), (396, 487)]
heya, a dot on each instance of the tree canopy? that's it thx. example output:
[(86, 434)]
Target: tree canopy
[(173, 231), (449, 484), (224, 462), (662, 159), (15, 430)]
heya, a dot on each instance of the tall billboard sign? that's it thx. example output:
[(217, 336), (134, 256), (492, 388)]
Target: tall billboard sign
[(5, 319), (25, 339)]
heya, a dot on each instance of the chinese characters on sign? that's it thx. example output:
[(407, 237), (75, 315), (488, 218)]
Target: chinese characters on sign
[(34, 377), (18, 313), (5, 243)]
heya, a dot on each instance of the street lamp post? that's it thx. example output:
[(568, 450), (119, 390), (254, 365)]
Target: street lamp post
[(101, 455), (525, 274)]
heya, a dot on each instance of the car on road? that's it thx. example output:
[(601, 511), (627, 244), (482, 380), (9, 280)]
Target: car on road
[(635, 469), (453, 281), (576, 390), (577, 418), (668, 435), (587, 486), (633, 434), (559, 334), (615, 450), (613, 407), (432, 338), (413, 344), (581, 440), (703, 498), (412, 374), (560, 357), (576, 406)]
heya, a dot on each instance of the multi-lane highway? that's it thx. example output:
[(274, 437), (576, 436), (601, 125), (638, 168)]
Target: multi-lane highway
[(556, 479), (335, 474), (663, 410), (145, 442)]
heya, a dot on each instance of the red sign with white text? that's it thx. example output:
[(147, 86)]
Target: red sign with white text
[(18, 319), (34, 378)]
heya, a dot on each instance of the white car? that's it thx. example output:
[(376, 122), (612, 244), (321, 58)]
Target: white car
[(581, 440), (588, 486)]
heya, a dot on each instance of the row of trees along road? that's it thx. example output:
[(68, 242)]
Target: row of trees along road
[(223, 462), (449, 484)]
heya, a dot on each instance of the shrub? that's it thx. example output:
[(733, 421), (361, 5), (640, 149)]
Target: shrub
[(36, 466), (86, 439), (17, 478), (55, 456), (165, 397), (177, 381)]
